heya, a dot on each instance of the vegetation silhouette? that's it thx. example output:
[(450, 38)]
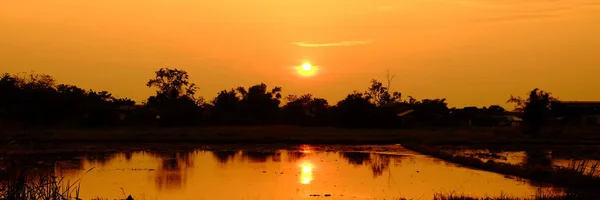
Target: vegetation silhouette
[(36, 100), (174, 100), (537, 108)]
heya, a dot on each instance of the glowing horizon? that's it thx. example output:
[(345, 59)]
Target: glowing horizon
[(473, 53)]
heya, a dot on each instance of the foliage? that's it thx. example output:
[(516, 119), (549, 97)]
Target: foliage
[(380, 95), (306, 110), (37, 100), (172, 83), (225, 107), (258, 104), (536, 108), (356, 110), (174, 100)]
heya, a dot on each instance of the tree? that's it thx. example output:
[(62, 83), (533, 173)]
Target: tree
[(174, 100), (380, 95), (495, 110), (429, 111), (306, 110), (173, 83), (258, 104), (226, 107), (536, 108), (356, 110)]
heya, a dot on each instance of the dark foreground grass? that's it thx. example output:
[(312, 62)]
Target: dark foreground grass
[(453, 196), (295, 135), (40, 188), (576, 178)]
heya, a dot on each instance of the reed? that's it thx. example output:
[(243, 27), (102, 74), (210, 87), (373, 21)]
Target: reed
[(42, 187)]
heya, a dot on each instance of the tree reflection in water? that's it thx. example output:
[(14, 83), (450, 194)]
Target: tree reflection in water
[(378, 163), (294, 156), (224, 156), (173, 168), (100, 158), (356, 158), (257, 156)]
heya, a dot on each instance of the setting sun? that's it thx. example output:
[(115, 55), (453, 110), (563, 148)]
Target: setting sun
[(307, 69)]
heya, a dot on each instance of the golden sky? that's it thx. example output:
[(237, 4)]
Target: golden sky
[(472, 52)]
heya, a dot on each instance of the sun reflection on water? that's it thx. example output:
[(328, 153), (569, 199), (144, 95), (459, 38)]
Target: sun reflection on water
[(306, 175)]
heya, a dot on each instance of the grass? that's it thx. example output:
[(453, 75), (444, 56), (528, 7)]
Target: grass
[(538, 196), (501, 197), (585, 167), (42, 187), (579, 177)]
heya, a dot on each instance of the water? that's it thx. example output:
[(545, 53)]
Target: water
[(553, 158), (291, 173)]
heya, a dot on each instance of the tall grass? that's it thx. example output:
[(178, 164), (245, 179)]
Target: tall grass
[(585, 167), (42, 187), (540, 195)]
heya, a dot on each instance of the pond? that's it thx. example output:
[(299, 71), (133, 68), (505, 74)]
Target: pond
[(298, 172), (586, 158)]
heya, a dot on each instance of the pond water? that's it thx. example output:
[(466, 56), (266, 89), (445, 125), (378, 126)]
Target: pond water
[(549, 157), (303, 172)]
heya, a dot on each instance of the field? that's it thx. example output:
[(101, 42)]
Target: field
[(306, 135)]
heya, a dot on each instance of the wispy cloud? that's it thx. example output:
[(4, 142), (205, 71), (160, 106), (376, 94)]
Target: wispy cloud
[(515, 17), (539, 9), (334, 44)]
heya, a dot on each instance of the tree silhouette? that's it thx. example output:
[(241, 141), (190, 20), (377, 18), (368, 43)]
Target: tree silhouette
[(31, 99), (174, 98), (356, 110), (429, 112), (259, 105), (172, 83), (380, 95), (495, 110), (536, 108), (226, 107), (36, 100), (306, 110)]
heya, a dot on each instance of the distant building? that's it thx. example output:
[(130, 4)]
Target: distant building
[(578, 112)]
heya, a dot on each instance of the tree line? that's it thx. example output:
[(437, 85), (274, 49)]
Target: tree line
[(37, 100)]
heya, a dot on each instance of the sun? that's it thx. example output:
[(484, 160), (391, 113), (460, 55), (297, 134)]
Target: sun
[(306, 66), (307, 69)]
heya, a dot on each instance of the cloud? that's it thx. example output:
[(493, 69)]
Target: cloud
[(543, 9), (515, 17), (335, 44)]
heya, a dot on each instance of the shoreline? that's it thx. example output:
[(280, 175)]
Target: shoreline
[(274, 134)]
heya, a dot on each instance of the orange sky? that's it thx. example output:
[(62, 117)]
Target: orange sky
[(472, 52)]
